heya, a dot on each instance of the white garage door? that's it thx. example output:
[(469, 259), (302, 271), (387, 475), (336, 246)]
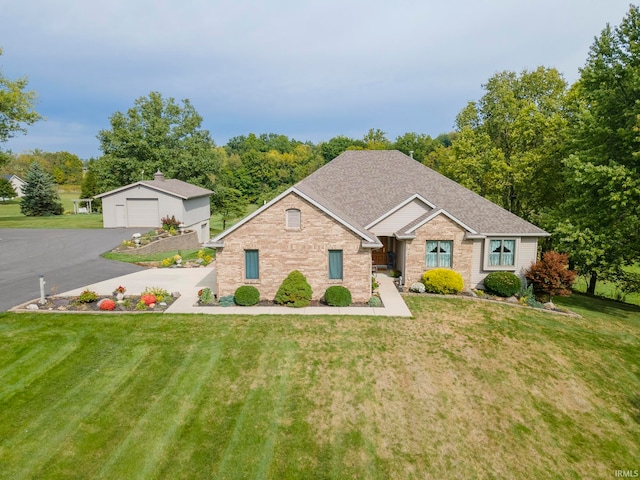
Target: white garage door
[(143, 212)]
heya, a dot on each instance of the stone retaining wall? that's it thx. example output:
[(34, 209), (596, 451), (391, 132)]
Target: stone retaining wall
[(186, 241)]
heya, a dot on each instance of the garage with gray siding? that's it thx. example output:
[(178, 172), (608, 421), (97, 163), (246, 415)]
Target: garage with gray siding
[(143, 204)]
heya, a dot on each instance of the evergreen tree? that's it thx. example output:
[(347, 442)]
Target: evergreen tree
[(6, 190), (40, 197)]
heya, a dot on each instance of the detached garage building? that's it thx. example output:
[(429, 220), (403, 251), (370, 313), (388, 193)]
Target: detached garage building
[(145, 203)]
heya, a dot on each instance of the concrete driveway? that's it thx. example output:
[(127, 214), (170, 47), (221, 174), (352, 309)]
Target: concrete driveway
[(68, 259)]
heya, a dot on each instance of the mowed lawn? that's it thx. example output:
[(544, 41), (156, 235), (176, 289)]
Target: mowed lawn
[(463, 390)]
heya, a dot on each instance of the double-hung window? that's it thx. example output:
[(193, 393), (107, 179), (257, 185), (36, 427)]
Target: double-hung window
[(335, 264), (251, 265), (502, 252), (439, 253)]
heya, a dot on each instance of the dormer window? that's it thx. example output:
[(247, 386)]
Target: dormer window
[(293, 219)]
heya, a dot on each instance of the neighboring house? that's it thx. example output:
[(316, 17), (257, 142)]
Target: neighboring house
[(16, 182), (372, 207), (145, 203)]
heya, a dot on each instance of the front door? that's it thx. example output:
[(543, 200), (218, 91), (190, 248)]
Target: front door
[(379, 256)]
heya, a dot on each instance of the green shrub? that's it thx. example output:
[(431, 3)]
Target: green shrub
[(226, 301), (337, 296), (246, 296), (442, 281), (503, 284), (87, 296), (375, 301), (294, 291), (205, 296)]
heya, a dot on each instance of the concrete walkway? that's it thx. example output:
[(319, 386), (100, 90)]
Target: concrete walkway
[(188, 281)]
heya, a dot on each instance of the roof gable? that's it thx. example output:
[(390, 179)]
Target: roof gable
[(171, 186), (368, 185), (366, 237)]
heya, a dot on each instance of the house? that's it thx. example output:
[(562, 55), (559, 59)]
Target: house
[(16, 182), (372, 207), (145, 203)]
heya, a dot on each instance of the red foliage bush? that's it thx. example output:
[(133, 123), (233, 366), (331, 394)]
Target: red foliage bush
[(551, 275), (107, 304), (148, 298)]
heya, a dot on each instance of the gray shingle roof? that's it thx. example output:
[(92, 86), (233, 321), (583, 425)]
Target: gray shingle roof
[(360, 186), (171, 186)]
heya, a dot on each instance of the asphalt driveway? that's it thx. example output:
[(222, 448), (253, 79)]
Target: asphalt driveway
[(68, 259)]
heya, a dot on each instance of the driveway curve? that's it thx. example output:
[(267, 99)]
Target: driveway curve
[(68, 259)]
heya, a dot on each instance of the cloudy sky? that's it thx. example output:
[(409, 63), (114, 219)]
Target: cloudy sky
[(307, 69)]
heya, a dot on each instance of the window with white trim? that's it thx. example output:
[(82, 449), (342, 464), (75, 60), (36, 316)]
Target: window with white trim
[(502, 252), (293, 219), (439, 253)]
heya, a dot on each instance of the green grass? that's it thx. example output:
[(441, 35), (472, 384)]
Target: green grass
[(465, 389), (215, 224), (157, 257), (10, 216), (609, 289)]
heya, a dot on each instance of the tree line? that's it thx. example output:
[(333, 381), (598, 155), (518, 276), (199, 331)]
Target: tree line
[(562, 156)]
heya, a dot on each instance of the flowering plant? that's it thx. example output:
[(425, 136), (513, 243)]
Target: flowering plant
[(107, 304), (120, 289)]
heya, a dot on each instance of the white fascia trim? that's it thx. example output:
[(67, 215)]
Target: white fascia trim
[(142, 184), (374, 245), (220, 236), (398, 207), (334, 216), (446, 214)]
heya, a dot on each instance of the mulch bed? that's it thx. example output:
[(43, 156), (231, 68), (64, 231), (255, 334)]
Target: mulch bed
[(71, 304), (313, 303)]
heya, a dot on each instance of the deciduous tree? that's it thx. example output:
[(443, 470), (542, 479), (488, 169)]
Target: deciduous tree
[(16, 109)]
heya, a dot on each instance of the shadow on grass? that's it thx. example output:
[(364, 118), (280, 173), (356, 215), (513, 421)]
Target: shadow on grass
[(597, 304)]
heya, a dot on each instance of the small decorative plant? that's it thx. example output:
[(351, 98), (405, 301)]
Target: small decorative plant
[(149, 299), (141, 305), (205, 296), (294, 291), (119, 290), (170, 222), (107, 304), (374, 284), (375, 302), (337, 296), (206, 258), (503, 284), (159, 293), (442, 281), (246, 296), (87, 296)]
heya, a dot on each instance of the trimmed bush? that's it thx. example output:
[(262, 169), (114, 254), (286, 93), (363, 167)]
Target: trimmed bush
[(337, 296), (107, 304), (503, 284), (294, 291), (375, 301), (246, 296), (226, 301), (442, 281)]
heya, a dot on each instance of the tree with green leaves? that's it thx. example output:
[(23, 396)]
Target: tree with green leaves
[(420, 144), (509, 144), (6, 190), (600, 217), (39, 194), (16, 109), (229, 203), (336, 145), (156, 134)]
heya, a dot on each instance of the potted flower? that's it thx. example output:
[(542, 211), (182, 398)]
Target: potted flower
[(119, 293)]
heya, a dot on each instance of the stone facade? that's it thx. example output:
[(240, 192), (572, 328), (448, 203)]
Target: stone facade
[(282, 250), (439, 228)]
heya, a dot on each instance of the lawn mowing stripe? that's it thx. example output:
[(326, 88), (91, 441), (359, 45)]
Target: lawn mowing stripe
[(28, 363), (42, 449), (250, 449), (143, 450)]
